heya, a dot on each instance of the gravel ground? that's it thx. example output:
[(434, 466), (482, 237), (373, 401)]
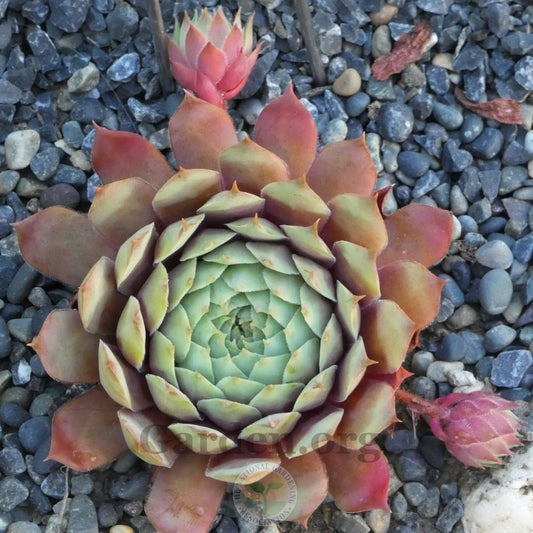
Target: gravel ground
[(66, 63)]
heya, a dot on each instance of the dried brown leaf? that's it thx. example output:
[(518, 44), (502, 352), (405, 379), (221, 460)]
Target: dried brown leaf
[(500, 109), (407, 50)]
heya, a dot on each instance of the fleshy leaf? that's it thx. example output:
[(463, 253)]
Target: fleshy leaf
[(131, 333), (232, 465), (99, 302), (134, 260), (311, 479), (294, 202), (61, 243), (201, 439), (77, 430), (251, 166), (199, 131), (419, 233), (343, 167), (67, 352), (367, 412), (121, 381), (185, 193), (118, 155), (170, 400), (182, 498), (356, 219), (148, 437), (387, 331), (356, 268), (119, 209), (271, 428), (358, 480), (414, 288), (312, 431), (286, 128)]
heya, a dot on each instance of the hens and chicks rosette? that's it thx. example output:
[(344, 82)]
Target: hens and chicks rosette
[(254, 307)]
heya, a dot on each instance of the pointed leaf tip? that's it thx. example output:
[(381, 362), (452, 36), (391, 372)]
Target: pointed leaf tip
[(286, 128), (119, 155), (199, 131), (77, 430), (61, 243)]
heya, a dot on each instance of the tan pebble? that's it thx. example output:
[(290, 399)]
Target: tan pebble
[(348, 83), (121, 529), (443, 60), (384, 15)]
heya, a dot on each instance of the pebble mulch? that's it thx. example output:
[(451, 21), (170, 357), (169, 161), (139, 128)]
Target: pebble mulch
[(66, 63)]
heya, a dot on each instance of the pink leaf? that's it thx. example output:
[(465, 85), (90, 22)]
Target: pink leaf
[(78, 431), (183, 498)]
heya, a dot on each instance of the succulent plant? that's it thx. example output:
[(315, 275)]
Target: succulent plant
[(478, 428), (212, 57), (254, 306)]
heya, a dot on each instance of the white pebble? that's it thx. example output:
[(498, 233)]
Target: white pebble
[(20, 147), (439, 371)]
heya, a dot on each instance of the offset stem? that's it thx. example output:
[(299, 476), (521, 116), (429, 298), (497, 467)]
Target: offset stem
[(160, 45), (304, 16), (419, 405)]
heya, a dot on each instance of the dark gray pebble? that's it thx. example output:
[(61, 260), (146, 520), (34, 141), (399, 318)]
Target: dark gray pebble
[(423, 386), (88, 110), (81, 484), (401, 440), (433, 450), (45, 163), (55, 485), (437, 79), (357, 103), (495, 291), (448, 116), (33, 432), (411, 466), (490, 183), (425, 184), (399, 506), (107, 515), (70, 175), (487, 145), (395, 122), (450, 515), (498, 337), (523, 249), (413, 164), (72, 133), (21, 284), (151, 113), (518, 43), (498, 18), (62, 194), (68, 15), (509, 368), (415, 492), (40, 502), (40, 464), (455, 159), (471, 128), (12, 462), (12, 493), (122, 22), (124, 68), (13, 415), (429, 508), (82, 515)]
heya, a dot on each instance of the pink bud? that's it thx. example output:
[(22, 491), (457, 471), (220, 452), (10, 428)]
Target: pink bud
[(211, 57), (477, 428)]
